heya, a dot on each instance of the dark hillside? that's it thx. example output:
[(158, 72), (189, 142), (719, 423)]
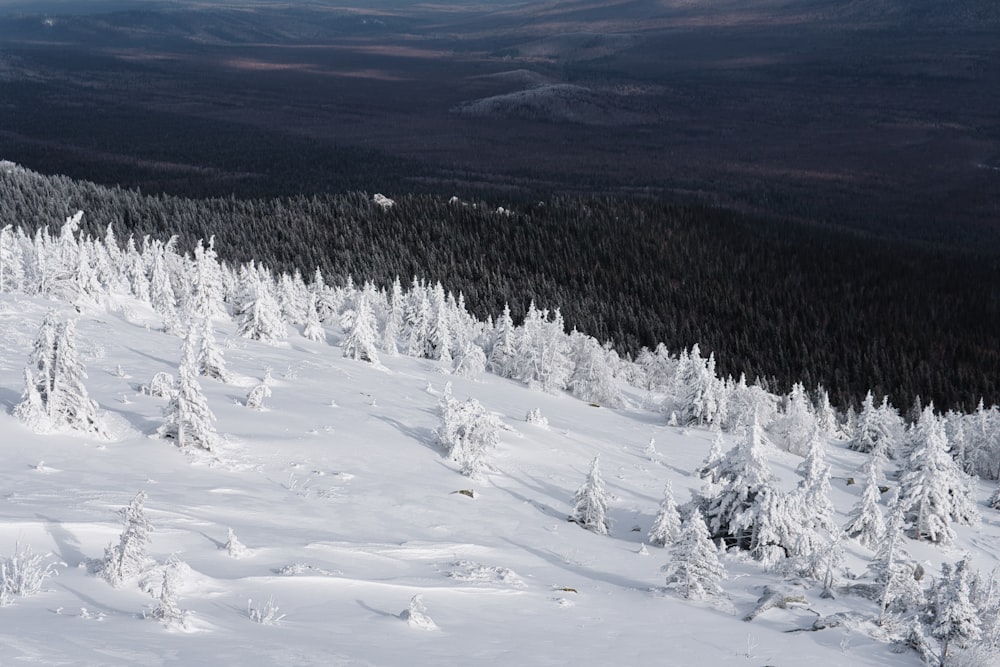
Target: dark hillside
[(786, 302)]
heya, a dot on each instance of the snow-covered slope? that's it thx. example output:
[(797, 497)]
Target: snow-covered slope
[(348, 509)]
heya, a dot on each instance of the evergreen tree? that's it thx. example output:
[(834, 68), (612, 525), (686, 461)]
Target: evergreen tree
[(866, 521), (126, 559), (188, 421), (260, 315), (955, 618), (933, 491), (742, 475), (590, 504), (394, 319), (360, 342), (467, 431), (795, 428), (893, 571), (504, 350), (210, 361), (593, 378), (55, 395), (313, 330), (694, 569), (667, 525)]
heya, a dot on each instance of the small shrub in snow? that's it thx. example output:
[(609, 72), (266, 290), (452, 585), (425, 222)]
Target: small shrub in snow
[(415, 615), (161, 386), (127, 558), (255, 399), (265, 614), (535, 417), (23, 574), (234, 547)]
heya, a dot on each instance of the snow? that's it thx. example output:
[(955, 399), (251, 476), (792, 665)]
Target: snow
[(355, 525)]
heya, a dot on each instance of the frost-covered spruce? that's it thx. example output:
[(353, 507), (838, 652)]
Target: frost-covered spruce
[(593, 377), (667, 524), (210, 363), (956, 621), (260, 317), (504, 349), (126, 559), (362, 330), (694, 570), (590, 504), (55, 395), (741, 476), (467, 431), (867, 524), (894, 572), (313, 329), (167, 609), (933, 491), (815, 485), (256, 396), (187, 418), (794, 429)]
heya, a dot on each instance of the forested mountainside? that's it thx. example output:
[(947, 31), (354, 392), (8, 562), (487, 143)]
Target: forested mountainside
[(785, 303)]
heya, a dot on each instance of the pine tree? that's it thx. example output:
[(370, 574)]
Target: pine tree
[(360, 342), (593, 378), (667, 525), (694, 569), (590, 504), (742, 475), (895, 574), (187, 418), (933, 491), (504, 350), (260, 314), (313, 329), (167, 609), (795, 428), (55, 395), (210, 362), (394, 320), (126, 559), (955, 619), (866, 523)]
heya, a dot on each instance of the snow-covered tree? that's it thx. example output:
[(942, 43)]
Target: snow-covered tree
[(894, 572), (875, 430), (467, 431), (126, 559), (256, 396), (167, 610), (504, 349), (360, 343), (260, 315), (741, 476), (593, 377), (667, 524), (394, 320), (312, 329), (590, 504), (188, 421), (694, 569), (210, 362), (933, 491), (795, 427), (866, 523), (55, 395), (542, 359), (697, 388), (955, 618)]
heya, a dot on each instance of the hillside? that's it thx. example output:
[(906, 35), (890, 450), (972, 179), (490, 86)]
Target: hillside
[(348, 508)]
